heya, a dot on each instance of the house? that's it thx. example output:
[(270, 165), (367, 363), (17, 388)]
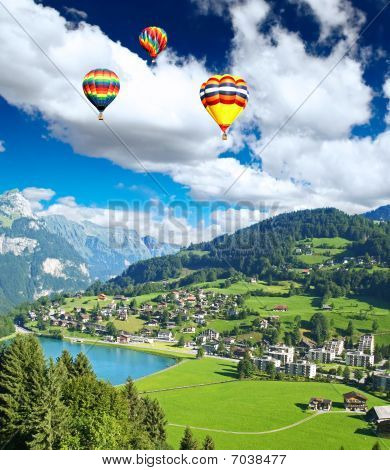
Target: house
[(263, 324), (327, 307), (305, 271), (84, 317), (165, 335), (119, 297), (102, 297), (359, 359), (32, 315), (321, 355), (124, 338), (263, 362), (228, 340), (211, 348), (381, 381), (355, 401), (253, 280), (320, 404), (122, 314), (280, 308), (301, 369), (380, 416), (366, 344)]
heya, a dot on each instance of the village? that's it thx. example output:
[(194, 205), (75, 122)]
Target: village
[(182, 317)]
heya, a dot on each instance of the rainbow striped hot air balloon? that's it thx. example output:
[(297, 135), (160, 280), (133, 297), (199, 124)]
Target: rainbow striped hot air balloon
[(153, 40), (224, 97), (101, 87)]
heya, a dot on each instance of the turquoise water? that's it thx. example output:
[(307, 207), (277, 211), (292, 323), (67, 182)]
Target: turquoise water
[(114, 364)]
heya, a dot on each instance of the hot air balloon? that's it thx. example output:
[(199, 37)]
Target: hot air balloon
[(101, 87), (224, 97), (153, 40)]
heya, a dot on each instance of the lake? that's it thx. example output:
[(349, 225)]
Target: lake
[(114, 364)]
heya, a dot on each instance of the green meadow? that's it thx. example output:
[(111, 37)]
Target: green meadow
[(255, 414)]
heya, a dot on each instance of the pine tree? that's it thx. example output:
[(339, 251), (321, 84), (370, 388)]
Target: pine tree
[(66, 360), (188, 442), (82, 366), (49, 413), (22, 374), (376, 446), (135, 405), (154, 421), (208, 443)]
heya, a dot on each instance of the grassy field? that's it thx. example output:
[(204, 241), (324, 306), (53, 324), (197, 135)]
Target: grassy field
[(229, 410), (132, 324)]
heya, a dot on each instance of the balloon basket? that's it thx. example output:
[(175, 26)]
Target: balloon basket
[(224, 136), (100, 117)]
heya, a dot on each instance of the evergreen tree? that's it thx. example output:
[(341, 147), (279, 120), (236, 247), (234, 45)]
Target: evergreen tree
[(22, 374), (82, 366), (208, 443), (346, 374), (154, 422), (66, 360), (350, 331), (188, 442), (200, 353), (245, 368), (49, 413), (376, 446)]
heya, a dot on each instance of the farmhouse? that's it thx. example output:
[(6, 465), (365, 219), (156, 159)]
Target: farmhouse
[(208, 335), (359, 359), (124, 338), (280, 308), (320, 404), (102, 297), (327, 307), (355, 401), (378, 414)]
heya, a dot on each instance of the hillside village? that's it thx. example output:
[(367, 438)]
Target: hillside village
[(184, 317)]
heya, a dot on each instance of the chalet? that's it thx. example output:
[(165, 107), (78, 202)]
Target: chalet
[(119, 297), (211, 348), (32, 315), (273, 318), (84, 317), (280, 308), (229, 340), (320, 404), (355, 401), (305, 271), (165, 335), (102, 297), (124, 338), (263, 323), (380, 416), (122, 314), (253, 280)]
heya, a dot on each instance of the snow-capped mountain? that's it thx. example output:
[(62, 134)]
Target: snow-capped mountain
[(41, 255)]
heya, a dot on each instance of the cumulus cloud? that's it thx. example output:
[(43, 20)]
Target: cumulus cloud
[(335, 16), (2, 147), (36, 195), (313, 161)]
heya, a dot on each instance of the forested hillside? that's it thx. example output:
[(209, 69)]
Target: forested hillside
[(266, 250)]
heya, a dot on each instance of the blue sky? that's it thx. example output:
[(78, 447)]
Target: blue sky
[(47, 149)]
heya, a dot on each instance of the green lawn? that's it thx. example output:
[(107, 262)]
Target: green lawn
[(132, 324), (191, 372), (312, 259), (332, 242), (254, 406)]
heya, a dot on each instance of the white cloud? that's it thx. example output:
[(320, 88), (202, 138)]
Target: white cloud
[(36, 195), (386, 91), (335, 15), (2, 147), (312, 162)]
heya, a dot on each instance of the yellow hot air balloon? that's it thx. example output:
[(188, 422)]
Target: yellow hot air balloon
[(224, 97)]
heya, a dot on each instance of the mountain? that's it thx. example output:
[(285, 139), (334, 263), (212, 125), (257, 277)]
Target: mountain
[(381, 213), (41, 255), (264, 249)]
